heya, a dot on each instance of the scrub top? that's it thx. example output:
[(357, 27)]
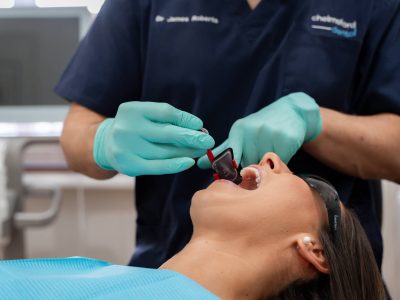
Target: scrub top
[(85, 278), (222, 61)]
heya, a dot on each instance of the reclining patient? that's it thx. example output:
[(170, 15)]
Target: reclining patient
[(276, 236)]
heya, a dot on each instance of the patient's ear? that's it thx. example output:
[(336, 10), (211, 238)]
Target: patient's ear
[(311, 250)]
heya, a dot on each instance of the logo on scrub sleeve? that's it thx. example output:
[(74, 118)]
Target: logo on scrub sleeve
[(337, 26)]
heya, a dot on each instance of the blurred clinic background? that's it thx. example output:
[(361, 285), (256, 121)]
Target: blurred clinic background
[(46, 210)]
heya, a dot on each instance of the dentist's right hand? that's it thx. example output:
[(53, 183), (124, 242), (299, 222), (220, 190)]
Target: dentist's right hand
[(150, 138)]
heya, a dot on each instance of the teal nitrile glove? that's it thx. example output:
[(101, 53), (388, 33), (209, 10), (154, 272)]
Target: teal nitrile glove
[(149, 138), (281, 127)]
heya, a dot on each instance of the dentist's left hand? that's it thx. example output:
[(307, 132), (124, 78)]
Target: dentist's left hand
[(281, 127), (150, 138)]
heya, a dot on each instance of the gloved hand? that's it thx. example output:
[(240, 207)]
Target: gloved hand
[(148, 138), (281, 127)]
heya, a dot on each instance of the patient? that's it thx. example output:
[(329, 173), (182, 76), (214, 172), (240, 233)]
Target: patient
[(276, 236)]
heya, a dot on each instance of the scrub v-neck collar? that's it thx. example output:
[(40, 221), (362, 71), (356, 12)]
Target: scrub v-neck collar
[(242, 8), (252, 22)]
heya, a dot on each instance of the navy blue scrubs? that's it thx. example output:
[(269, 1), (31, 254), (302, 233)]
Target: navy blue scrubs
[(221, 61)]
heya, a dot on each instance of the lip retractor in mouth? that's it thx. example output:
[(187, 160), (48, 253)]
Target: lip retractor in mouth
[(251, 178)]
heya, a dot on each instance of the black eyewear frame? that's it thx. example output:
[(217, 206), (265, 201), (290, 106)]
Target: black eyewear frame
[(331, 198)]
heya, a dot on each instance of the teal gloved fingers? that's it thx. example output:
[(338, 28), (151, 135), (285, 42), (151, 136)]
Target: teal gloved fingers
[(159, 163), (155, 166), (204, 163), (251, 153), (281, 127), (232, 142), (171, 134), (145, 136), (168, 166), (166, 151), (287, 146), (166, 113)]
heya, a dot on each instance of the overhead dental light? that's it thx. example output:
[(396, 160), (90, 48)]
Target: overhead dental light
[(92, 5), (60, 3), (7, 3)]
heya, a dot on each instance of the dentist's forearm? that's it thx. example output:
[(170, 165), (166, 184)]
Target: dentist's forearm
[(77, 142), (363, 146)]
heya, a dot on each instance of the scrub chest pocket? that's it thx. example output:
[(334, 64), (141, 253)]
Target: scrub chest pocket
[(321, 66)]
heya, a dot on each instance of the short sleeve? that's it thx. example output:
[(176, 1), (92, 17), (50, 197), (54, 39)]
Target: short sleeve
[(105, 70), (379, 89)]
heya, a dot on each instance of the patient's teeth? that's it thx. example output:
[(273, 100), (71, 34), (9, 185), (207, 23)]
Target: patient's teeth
[(255, 171), (251, 173)]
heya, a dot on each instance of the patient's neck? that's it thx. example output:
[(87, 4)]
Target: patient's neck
[(232, 271)]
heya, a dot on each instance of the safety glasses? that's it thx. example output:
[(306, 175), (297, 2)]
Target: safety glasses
[(331, 198)]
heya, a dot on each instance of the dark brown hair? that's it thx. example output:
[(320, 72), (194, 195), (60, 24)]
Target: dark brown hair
[(353, 272)]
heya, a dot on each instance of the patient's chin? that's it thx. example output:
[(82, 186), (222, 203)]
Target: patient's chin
[(200, 196)]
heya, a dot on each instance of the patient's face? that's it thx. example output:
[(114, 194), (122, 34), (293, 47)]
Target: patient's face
[(282, 203)]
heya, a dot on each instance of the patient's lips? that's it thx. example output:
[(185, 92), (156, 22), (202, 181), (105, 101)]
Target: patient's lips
[(251, 178)]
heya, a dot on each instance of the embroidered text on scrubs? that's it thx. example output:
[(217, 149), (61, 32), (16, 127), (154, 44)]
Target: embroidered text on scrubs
[(205, 19), (178, 20), (340, 27), (335, 21), (185, 19)]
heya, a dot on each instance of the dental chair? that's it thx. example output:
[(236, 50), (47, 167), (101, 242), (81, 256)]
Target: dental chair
[(13, 194)]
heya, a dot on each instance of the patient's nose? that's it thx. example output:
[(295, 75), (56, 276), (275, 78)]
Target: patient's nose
[(272, 161)]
